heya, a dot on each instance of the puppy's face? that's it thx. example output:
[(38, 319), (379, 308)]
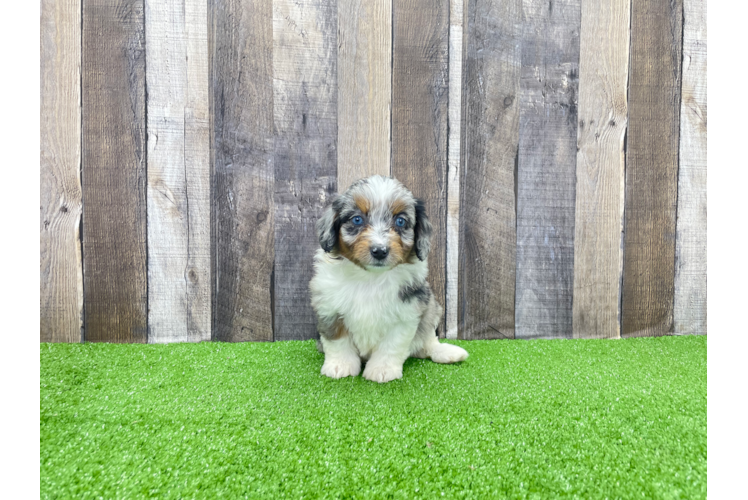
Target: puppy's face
[(376, 224)]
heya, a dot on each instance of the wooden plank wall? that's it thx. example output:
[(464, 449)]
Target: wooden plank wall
[(546, 167), (188, 147), (243, 216), (61, 269)]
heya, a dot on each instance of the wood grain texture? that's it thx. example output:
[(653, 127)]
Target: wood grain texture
[(114, 171), (364, 89), (546, 168), (243, 175), (651, 168), (305, 106), (61, 271), (489, 151), (603, 114), (689, 314), (178, 171), (420, 76), (457, 19)]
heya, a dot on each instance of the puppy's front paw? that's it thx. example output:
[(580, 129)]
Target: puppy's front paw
[(382, 373), (448, 353), (339, 368)]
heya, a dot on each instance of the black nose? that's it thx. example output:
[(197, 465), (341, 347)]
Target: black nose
[(379, 252)]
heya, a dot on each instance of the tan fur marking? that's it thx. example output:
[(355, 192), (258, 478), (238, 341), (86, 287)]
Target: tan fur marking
[(362, 203), (340, 330), (398, 250), (350, 253), (398, 206), (361, 247)]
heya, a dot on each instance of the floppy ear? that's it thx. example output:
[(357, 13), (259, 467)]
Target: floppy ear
[(422, 231), (328, 226)]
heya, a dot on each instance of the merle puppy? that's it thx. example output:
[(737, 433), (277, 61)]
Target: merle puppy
[(369, 289)]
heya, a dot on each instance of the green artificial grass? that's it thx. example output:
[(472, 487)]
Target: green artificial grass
[(517, 419)]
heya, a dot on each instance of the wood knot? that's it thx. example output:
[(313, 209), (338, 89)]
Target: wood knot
[(262, 216), (508, 100), (63, 209), (192, 275)]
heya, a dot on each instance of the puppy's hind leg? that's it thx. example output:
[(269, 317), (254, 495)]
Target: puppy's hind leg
[(341, 357), (426, 344)]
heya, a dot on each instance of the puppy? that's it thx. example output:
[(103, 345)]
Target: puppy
[(369, 289)]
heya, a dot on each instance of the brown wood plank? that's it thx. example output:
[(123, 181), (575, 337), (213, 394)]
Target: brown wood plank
[(420, 76), (491, 136), (603, 114), (546, 168), (652, 167), (364, 89), (305, 90), (114, 171), (243, 176), (61, 271), (457, 18), (689, 315), (178, 172)]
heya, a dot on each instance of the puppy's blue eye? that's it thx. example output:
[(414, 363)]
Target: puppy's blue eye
[(357, 220), (400, 222)]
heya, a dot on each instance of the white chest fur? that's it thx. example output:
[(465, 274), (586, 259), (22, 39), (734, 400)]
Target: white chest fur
[(368, 301)]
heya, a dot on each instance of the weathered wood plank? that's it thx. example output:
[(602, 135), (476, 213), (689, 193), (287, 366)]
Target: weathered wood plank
[(178, 171), (420, 75), (305, 97), (457, 17), (243, 175), (651, 168), (689, 313), (114, 171), (491, 131), (364, 89), (603, 114), (61, 271), (546, 168)]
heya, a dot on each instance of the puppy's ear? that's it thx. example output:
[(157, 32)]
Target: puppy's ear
[(328, 225), (422, 231)]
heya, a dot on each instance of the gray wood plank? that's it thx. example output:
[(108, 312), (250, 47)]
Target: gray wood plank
[(178, 171), (689, 314), (546, 168), (61, 271), (420, 76), (491, 136), (652, 168), (243, 177), (457, 13), (114, 171), (364, 89), (305, 112), (603, 115)]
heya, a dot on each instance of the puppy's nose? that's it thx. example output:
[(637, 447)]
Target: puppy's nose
[(379, 253)]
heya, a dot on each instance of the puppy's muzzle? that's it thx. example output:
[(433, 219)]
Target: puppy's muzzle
[(379, 253)]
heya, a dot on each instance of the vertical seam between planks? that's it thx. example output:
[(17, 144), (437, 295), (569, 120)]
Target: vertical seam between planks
[(622, 258), (447, 302), (272, 292), (211, 166), (576, 166), (677, 156), (145, 173), (80, 179), (463, 163), (392, 77)]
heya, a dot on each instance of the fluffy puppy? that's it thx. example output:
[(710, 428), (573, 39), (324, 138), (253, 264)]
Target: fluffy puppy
[(369, 289)]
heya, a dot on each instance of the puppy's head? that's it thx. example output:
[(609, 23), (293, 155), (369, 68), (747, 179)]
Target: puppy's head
[(376, 224)]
